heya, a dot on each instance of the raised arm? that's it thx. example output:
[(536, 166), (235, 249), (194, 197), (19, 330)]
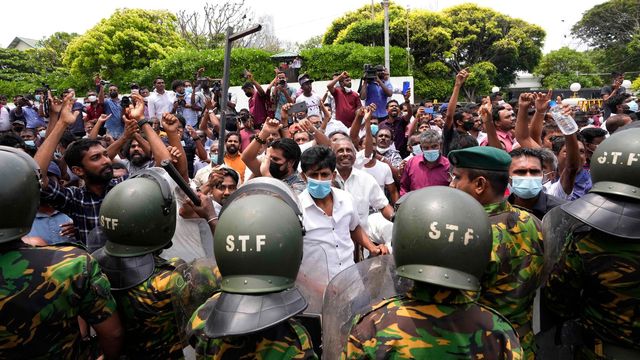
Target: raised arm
[(66, 118), (354, 131), (522, 122), (461, 77), (256, 84), (573, 161), (486, 112), (331, 86), (250, 154), (537, 123)]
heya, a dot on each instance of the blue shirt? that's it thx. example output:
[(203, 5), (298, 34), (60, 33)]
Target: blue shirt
[(114, 125), (376, 95), (582, 185), (281, 100), (47, 227), (32, 119)]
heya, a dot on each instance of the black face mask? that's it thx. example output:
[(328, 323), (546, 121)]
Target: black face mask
[(276, 171), (467, 125), (113, 94)]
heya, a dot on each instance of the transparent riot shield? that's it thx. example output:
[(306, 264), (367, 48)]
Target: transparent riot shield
[(193, 283), (312, 280), (352, 292), (557, 227)]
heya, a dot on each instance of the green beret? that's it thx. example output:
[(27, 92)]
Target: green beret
[(481, 157)]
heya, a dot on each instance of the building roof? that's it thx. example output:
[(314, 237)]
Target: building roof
[(30, 42)]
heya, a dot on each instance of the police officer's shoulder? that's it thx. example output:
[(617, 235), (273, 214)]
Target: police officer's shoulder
[(496, 313), (66, 244), (380, 305), (481, 157), (170, 264)]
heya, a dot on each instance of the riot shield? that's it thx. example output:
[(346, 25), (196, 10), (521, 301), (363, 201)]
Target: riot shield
[(192, 284), (312, 280), (557, 227), (352, 292)]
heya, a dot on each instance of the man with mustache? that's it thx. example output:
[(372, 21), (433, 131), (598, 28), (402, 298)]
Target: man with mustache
[(88, 160)]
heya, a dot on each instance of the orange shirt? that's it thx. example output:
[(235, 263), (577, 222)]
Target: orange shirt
[(235, 162)]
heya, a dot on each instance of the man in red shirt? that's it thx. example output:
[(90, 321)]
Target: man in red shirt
[(347, 100), (257, 100)]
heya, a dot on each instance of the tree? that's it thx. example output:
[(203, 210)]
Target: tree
[(52, 48), (22, 72), (207, 30), (127, 40), (613, 27), (322, 62), (467, 35), (311, 43), (560, 68)]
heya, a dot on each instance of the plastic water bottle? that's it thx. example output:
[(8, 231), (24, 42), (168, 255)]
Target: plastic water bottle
[(566, 123)]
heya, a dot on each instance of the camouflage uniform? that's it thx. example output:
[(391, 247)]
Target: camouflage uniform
[(147, 315), (43, 290), (515, 270), (432, 323), (286, 340), (597, 280)]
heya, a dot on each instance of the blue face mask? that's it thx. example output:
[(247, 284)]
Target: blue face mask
[(374, 129), (416, 149), (431, 155), (214, 158), (42, 133), (318, 189), (38, 97), (30, 143), (188, 90), (526, 187), (633, 106)]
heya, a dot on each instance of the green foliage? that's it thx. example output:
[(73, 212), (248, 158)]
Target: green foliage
[(183, 64), (321, 63), (613, 27), (24, 71), (52, 48), (495, 45), (635, 85), (559, 68), (432, 81), (127, 40), (311, 43)]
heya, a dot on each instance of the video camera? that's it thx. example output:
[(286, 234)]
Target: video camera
[(217, 86), (371, 72), (105, 82)]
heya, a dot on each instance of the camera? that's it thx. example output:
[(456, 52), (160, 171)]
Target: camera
[(105, 82), (282, 82), (371, 72), (125, 102), (217, 86)]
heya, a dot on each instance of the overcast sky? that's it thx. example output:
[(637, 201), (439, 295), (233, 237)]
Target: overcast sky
[(296, 22)]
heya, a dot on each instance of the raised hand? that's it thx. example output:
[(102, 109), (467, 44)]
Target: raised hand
[(266, 163), (542, 100), (486, 108), (170, 123), (462, 76), (130, 128), (137, 112), (66, 116), (175, 153), (103, 118)]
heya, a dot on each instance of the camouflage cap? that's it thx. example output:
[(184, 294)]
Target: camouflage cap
[(481, 157)]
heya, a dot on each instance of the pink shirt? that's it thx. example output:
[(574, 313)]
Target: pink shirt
[(418, 175), (245, 138), (505, 138)]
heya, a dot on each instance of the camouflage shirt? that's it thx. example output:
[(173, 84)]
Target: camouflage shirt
[(286, 340), (147, 315), (515, 270), (432, 323), (43, 290), (597, 280)]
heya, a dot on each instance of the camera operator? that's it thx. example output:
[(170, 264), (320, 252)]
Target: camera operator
[(180, 102), (216, 90), (377, 90), (282, 93), (194, 104), (112, 106)]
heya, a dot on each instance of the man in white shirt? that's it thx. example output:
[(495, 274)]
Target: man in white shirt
[(313, 100), (160, 100), (330, 218), (364, 189)]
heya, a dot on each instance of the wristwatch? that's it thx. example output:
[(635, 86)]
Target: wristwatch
[(142, 122)]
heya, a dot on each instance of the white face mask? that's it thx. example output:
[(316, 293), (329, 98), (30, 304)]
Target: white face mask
[(92, 98), (382, 150)]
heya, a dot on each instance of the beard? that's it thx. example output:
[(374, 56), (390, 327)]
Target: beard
[(103, 177), (139, 159), (232, 150)]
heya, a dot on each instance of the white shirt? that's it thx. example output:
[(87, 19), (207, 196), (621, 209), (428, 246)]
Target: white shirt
[(5, 121), (335, 125), (556, 190), (313, 103), (365, 192), (160, 103), (328, 238), (381, 172)]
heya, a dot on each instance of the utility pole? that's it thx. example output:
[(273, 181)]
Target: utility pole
[(408, 47), (385, 4), (230, 38)]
